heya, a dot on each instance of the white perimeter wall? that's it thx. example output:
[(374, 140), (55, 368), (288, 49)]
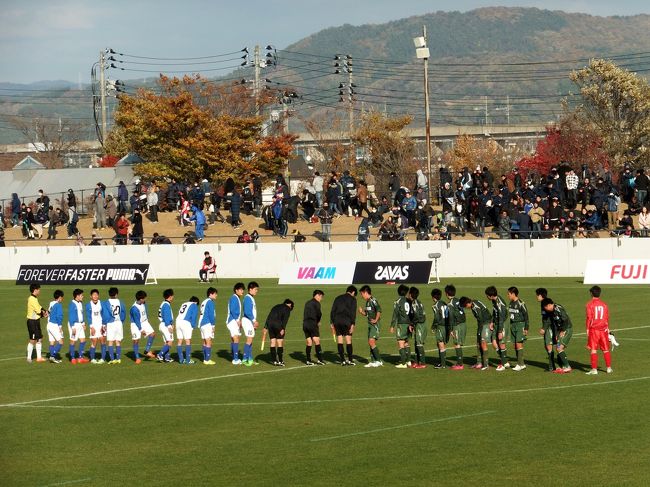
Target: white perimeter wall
[(460, 258)]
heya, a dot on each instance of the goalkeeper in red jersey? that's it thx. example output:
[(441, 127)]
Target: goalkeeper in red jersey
[(597, 323)]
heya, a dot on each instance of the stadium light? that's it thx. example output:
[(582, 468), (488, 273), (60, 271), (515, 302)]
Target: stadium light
[(422, 52)]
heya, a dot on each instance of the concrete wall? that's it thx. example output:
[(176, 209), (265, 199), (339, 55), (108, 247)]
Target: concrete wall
[(545, 258)]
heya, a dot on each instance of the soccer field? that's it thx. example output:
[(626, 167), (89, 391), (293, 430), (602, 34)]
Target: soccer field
[(162, 424)]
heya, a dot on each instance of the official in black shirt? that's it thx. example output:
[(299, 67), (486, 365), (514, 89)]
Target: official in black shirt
[(342, 318), (276, 322), (311, 327)]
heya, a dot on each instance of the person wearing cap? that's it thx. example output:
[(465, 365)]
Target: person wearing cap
[(613, 202), (409, 204), (325, 215)]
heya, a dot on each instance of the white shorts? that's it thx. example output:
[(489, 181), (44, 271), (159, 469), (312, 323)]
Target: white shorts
[(247, 325), (233, 328), (207, 331), (55, 332), (96, 331), (166, 333), (76, 332), (114, 332), (136, 333), (147, 329), (183, 330)]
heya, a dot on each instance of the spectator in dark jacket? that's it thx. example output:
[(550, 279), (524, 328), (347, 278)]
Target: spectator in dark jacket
[(137, 231), (15, 209), (122, 197), (235, 208), (72, 199)]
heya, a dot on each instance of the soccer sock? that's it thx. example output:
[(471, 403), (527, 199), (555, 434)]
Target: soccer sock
[(51, 350), (402, 356), (502, 356), (561, 357), (420, 352), (308, 352), (149, 344), (248, 351), (30, 349), (520, 356), (57, 349), (82, 347), (71, 351), (407, 351), (111, 352), (179, 350), (103, 351), (280, 354), (39, 347), (234, 348), (136, 350), (118, 352), (319, 353), (188, 352), (339, 347), (348, 349), (459, 356), (594, 360), (484, 357), (374, 353), (164, 351), (209, 351), (274, 354), (551, 360), (205, 352), (608, 358), (92, 353), (443, 357)]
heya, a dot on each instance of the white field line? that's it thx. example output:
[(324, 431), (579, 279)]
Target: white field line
[(33, 405), (151, 386), (391, 428), (69, 482)]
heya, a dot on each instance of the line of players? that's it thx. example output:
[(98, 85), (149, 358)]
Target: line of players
[(106, 319)]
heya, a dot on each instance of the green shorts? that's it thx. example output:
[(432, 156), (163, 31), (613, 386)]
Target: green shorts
[(373, 331), (420, 333), (441, 333), (517, 333), (483, 333), (564, 341), (504, 338), (549, 337), (460, 332), (402, 331)]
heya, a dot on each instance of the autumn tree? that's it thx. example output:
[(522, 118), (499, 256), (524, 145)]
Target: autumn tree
[(616, 102), (331, 137), (186, 130), (470, 152), (51, 138)]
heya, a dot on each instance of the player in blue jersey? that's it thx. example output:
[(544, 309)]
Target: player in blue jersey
[(166, 327), (206, 322), (97, 328), (77, 327), (234, 321), (140, 326), (55, 326), (249, 322), (114, 314), (186, 321)]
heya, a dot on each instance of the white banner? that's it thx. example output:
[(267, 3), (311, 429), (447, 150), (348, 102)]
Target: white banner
[(317, 273), (621, 271)]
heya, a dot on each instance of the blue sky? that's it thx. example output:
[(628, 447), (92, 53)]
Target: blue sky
[(60, 39)]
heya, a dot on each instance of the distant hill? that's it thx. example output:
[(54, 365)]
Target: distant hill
[(514, 60)]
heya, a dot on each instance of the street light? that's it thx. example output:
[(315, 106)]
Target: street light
[(422, 52)]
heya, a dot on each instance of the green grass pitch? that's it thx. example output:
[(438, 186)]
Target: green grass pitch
[(165, 424)]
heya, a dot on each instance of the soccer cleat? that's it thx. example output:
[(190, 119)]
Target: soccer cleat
[(507, 365), (118, 361), (439, 366), (457, 367), (73, 361), (485, 367), (379, 363), (54, 360), (41, 359), (101, 361), (320, 362), (150, 354), (247, 362), (500, 368), (370, 365), (237, 361), (609, 370), (275, 362), (280, 364), (309, 363), (160, 358), (566, 370), (29, 360), (477, 366), (558, 371), (209, 362), (169, 360), (189, 362), (420, 366), (82, 360), (352, 363), (94, 361), (518, 367), (592, 372), (401, 366), (138, 361)]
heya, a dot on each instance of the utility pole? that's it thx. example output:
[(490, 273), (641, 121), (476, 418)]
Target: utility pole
[(422, 52), (257, 62), (348, 63), (486, 112), (102, 91)]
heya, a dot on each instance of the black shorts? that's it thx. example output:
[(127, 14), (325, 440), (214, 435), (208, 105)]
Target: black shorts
[(276, 331), (343, 330), (311, 330), (34, 329)]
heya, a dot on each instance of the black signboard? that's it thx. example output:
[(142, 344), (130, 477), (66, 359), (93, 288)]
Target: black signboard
[(408, 272), (83, 274)]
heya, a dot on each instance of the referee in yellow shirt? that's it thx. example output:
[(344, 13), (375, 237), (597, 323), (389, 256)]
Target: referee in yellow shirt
[(34, 314)]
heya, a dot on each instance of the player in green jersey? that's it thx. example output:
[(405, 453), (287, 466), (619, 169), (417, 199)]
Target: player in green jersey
[(483, 332), (419, 325), (372, 311), (546, 330), (401, 325), (498, 326), (518, 325), (562, 323), (439, 326), (457, 327)]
